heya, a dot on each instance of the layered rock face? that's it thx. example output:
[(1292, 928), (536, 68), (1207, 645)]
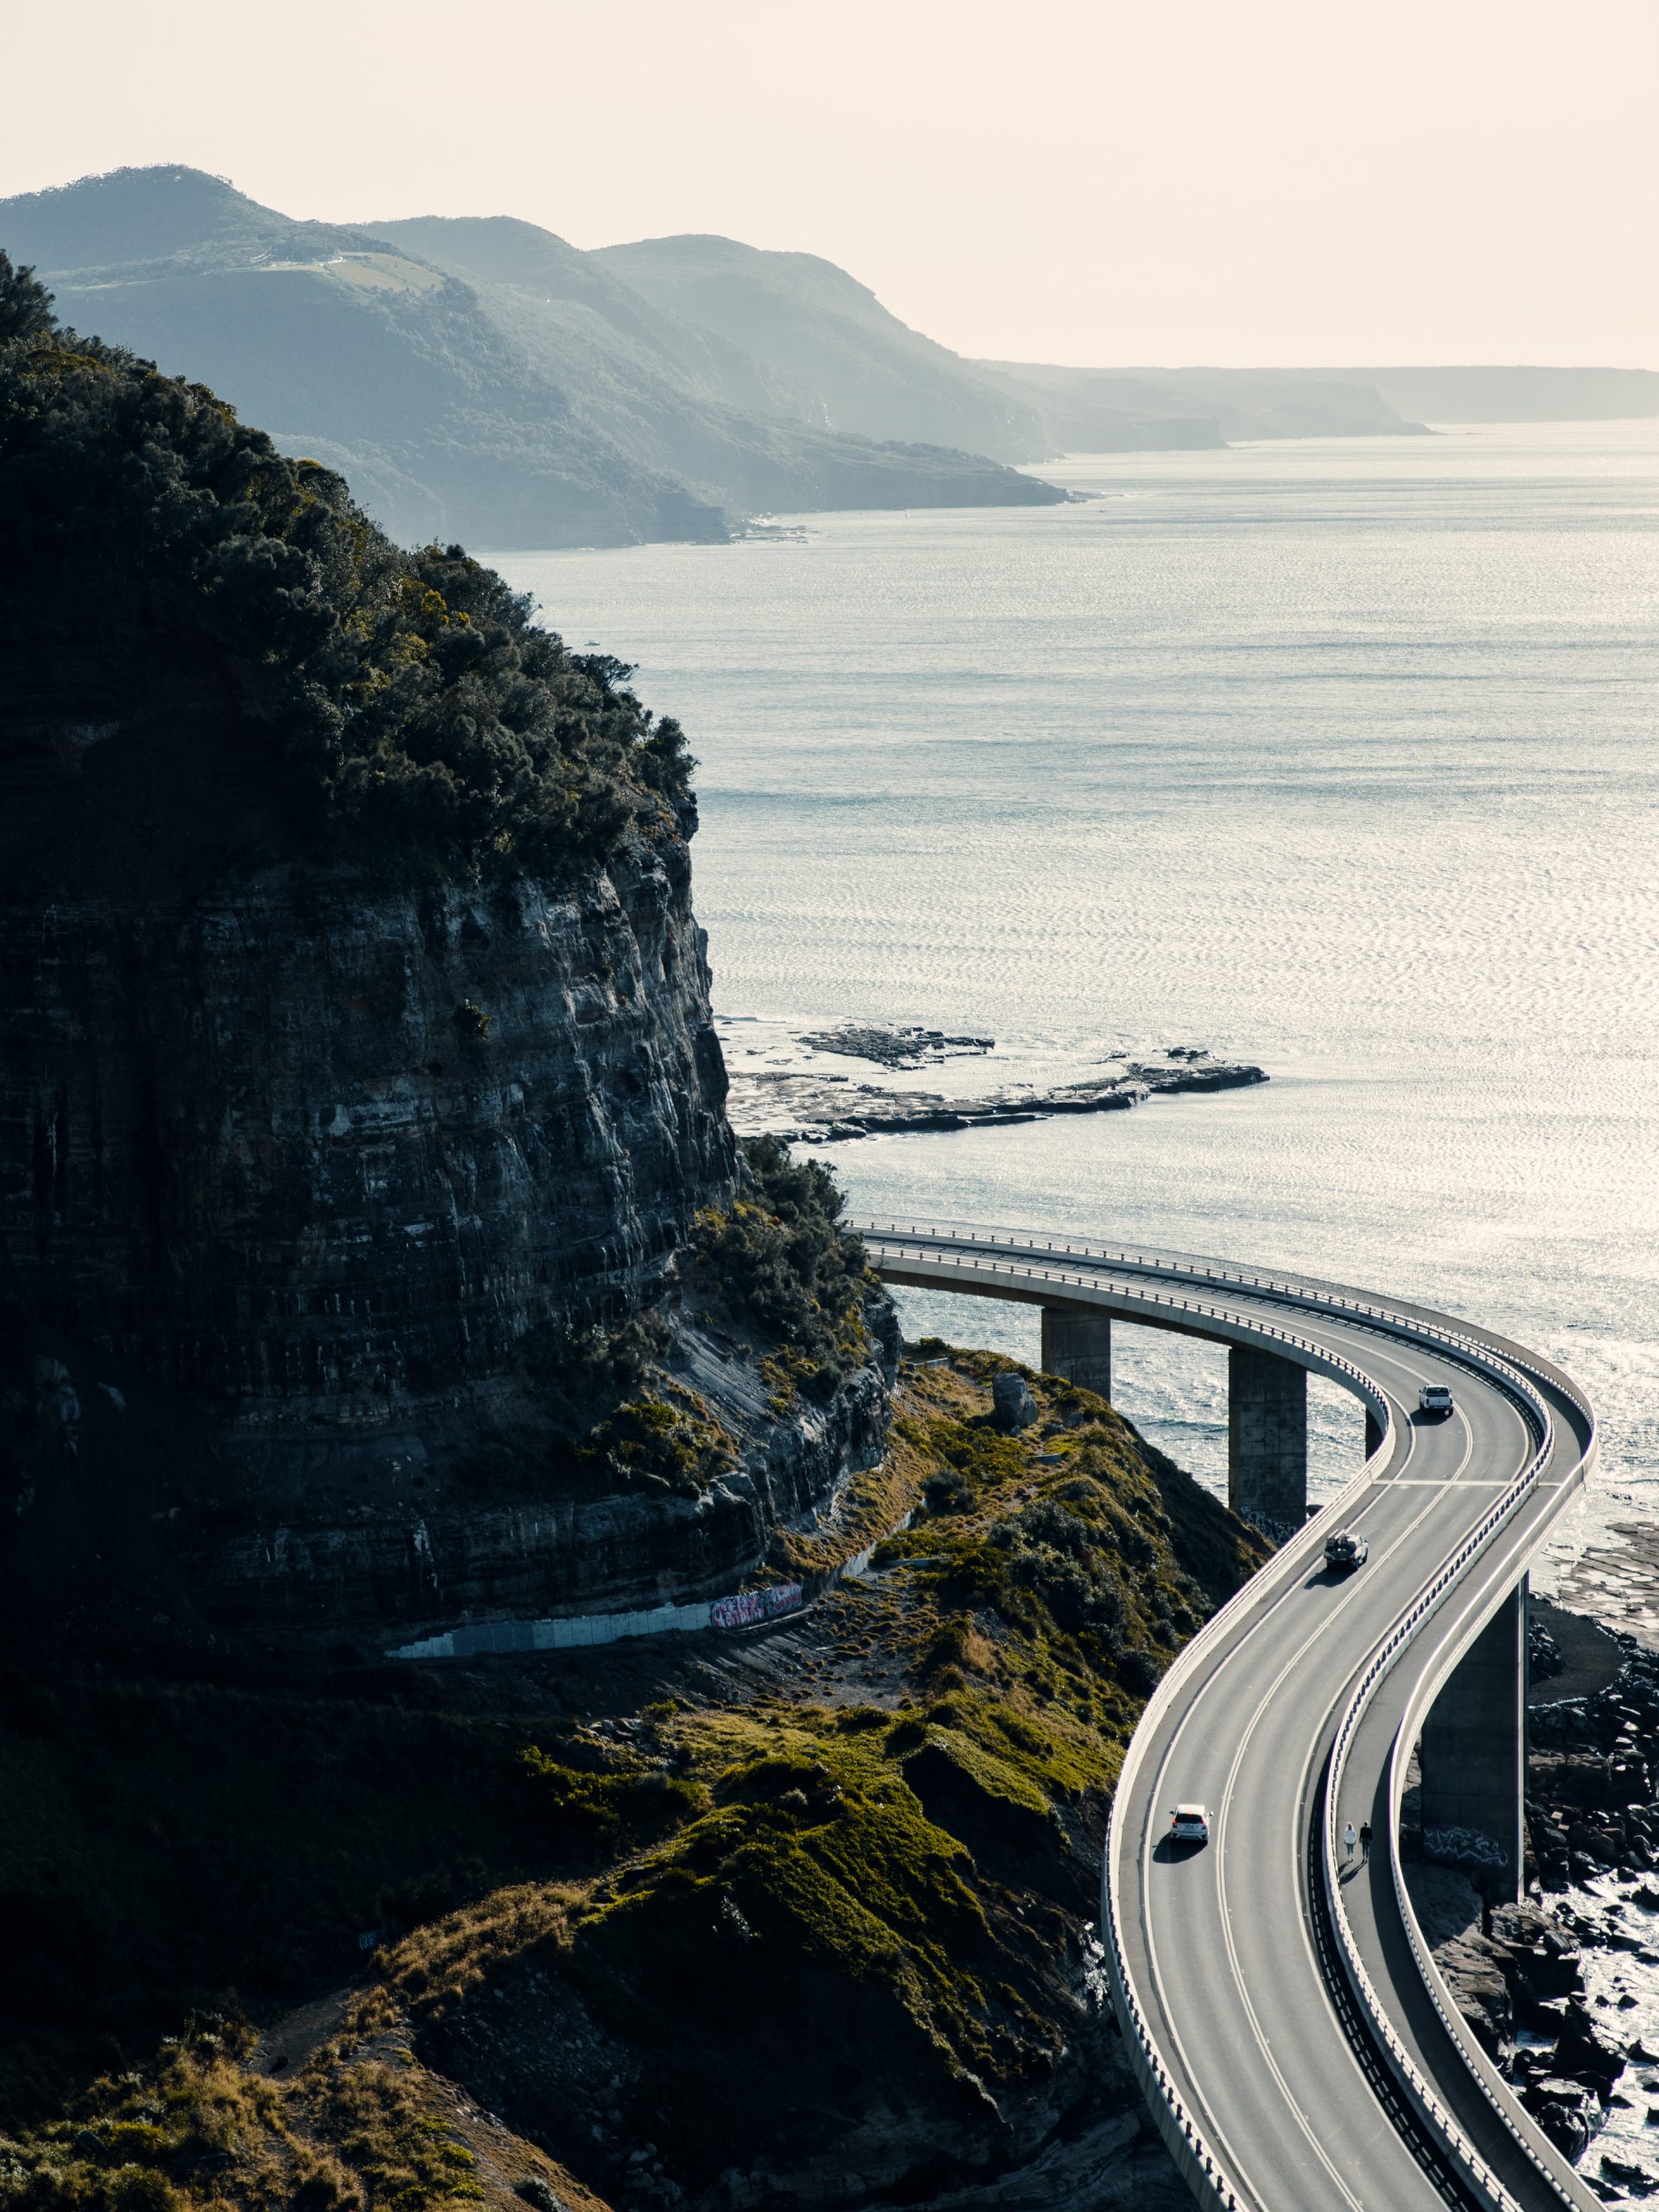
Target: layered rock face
[(304, 1181)]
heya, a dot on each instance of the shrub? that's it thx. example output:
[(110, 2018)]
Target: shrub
[(415, 711), (602, 1807), (781, 1261), (947, 1492), (667, 1442)]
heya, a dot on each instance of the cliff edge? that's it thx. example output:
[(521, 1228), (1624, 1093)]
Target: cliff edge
[(375, 1252)]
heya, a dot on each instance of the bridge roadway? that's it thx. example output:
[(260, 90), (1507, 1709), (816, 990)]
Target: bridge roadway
[(1298, 2050)]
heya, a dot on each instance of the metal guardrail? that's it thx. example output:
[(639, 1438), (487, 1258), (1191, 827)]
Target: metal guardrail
[(1327, 1362), (1176, 2125), (1204, 2170), (1517, 1375), (1318, 1297), (1382, 1661)]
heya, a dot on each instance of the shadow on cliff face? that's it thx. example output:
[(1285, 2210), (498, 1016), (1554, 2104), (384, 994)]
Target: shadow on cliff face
[(359, 1069), (800, 1915), (863, 1965)]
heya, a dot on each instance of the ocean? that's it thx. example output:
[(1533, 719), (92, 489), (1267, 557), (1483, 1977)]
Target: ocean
[(1336, 756)]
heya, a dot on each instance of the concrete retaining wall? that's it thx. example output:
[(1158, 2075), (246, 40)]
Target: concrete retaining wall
[(743, 1609)]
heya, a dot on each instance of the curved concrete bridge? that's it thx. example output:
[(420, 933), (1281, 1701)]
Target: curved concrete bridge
[(1296, 2043)]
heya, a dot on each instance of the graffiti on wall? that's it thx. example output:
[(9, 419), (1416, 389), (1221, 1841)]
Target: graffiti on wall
[(752, 1605), (1461, 1847)]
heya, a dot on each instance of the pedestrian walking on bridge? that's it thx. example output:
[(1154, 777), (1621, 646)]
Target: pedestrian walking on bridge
[(1365, 1842), (1349, 1840)]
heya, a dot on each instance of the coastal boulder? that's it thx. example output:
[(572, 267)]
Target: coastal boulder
[(1013, 1407)]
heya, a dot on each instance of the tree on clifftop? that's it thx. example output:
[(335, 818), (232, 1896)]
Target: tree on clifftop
[(25, 305), (417, 710)]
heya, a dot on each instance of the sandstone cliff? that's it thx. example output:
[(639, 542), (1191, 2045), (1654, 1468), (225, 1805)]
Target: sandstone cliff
[(347, 1171)]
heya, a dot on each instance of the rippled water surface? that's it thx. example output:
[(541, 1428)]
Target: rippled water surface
[(1336, 756)]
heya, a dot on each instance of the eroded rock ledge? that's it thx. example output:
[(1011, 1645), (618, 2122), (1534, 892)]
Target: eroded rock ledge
[(811, 1101), (374, 1246), (300, 1180)]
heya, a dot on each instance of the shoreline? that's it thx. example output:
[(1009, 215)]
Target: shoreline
[(786, 1083), (1562, 1988)]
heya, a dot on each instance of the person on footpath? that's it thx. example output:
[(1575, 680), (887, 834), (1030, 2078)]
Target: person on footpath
[(1349, 1840), (1365, 1842)]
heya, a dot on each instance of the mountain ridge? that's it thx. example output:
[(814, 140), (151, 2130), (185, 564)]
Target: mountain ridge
[(452, 414)]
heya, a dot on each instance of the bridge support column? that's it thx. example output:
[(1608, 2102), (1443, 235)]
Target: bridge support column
[(1474, 1757), (1078, 1345), (1267, 1440)]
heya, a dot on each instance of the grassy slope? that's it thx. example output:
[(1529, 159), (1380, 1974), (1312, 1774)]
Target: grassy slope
[(736, 1903)]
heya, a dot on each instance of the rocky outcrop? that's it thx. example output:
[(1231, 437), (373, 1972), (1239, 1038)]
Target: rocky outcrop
[(1518, 1974), (1593, 1777), (819, 1104), (309, 1179)]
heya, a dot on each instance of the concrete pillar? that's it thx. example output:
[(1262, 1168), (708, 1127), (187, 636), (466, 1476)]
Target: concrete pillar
[(1078, 1345), (1267, 1440), (1474, 1757)]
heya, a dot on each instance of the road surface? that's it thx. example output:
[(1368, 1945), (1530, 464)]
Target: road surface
[(1297, 2049)]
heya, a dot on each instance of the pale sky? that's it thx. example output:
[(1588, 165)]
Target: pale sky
[(1125, 181)]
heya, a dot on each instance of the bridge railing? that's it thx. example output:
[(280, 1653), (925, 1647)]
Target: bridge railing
[(1197, 1310), (1444, 2005), (1202, 2163), (1406, 1630), (1309, 1294), (1410, 2075), (1519, 1375)]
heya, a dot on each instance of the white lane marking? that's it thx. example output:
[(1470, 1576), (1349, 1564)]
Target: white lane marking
[(1299, 1799), (1376, 1330), (1329, 1620), (1240, 2166)]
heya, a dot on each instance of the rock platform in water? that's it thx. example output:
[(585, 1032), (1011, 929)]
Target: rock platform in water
[(780, 1083)]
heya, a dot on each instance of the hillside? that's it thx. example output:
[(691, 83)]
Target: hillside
[(1512, 395), (1289, 403), (686, 1923), (1243, 402), (381, 1256), (483, 409), (681, 398), (838, 357)]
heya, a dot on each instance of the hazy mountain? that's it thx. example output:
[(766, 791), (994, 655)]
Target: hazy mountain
[(1344, 403), (547, 405), (481, 377), (1245, 402), (679, 398), (833, 355), (1513, 394)]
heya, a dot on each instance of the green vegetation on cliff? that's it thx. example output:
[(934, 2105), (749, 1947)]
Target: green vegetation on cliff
[(735, 1905), (417, 711), (782, 1264), (774, 1272)]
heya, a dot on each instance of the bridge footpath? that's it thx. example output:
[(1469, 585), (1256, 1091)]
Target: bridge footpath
[(1294, 2040)]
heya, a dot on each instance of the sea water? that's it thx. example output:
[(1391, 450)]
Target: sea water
[(1338, 756)]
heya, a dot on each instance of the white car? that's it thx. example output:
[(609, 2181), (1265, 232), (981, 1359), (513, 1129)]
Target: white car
[(1189, 1824), (1345, 1550), (1435, 1398)]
